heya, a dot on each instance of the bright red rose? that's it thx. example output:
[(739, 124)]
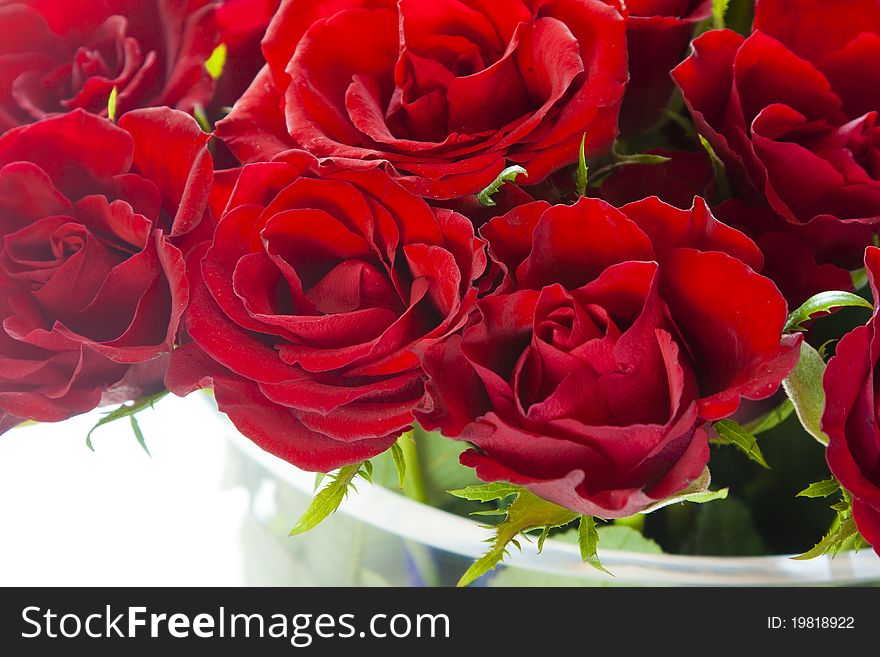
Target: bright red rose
[(59, 55), (792, 110), (93, 290), (310, 307), (658, 33), (590, 374), (440, 94), (852, 414)]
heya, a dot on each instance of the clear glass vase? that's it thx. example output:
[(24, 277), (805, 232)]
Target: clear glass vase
[(381, 538)]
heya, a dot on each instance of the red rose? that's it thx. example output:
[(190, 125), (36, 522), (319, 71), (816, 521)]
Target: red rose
[(242, 25), (92, 288), (588, 377), (441, 94), (59, 55), (852, 400), (788, 259), (658, 33), (312, 303), (792, 110)]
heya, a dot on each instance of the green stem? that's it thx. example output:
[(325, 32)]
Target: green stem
[(415, 481)]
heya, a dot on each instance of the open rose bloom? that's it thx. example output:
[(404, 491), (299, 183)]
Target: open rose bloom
[(585, 254)]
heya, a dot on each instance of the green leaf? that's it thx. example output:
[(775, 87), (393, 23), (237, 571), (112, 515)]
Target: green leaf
[(804, 388), (642, 158), (721, 182), (327, 500), (823, 302), (399, 462), (508, 175), (319, 477), (823, 348), (719, 9), (126, 410), (588, 542), (770, 419), (366, 471), (525, 513), (217, 61), (702, 498), (833, 542), (698, 493), (821, 489), (731, 433), (138, 434), (582, 172), (487, 492), (111, 104)]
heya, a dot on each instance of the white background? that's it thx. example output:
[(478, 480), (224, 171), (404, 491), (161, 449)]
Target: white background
[(115, 516)]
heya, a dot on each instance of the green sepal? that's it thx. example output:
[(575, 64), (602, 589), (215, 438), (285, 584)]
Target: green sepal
[(823, 302), (722, 184), (844, 534), (399, 462), (487, 492), (588, 542), (328, 499), (821, 489), (698, 492), (525, 513), (732, 433), (127, 410), (834, 541), (509, 174), (642, 158), (771, 418), (582, 171), (138, 434), (804, 388)]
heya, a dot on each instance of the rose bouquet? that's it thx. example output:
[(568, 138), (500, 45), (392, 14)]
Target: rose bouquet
[(588, 252)]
